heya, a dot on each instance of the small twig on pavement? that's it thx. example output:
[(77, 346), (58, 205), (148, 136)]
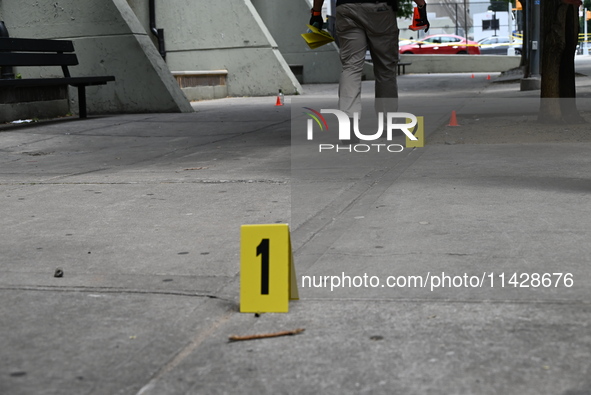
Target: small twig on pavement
[(266, 335)]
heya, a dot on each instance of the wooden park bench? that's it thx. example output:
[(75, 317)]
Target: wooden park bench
[(27, 52)]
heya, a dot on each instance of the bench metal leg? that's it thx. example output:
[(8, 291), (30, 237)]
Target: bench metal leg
[(82, 101), (402, 67)]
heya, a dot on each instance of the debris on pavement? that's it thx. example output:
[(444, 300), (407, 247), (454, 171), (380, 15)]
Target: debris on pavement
[(267, 335)]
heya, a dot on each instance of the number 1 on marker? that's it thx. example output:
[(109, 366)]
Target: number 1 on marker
[(263, 250)]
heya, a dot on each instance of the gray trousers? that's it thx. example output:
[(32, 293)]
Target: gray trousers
[(363, 26)]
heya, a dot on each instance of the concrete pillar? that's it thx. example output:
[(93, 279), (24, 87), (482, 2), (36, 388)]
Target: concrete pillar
[(286, 20), (202, 35), (109, 40)]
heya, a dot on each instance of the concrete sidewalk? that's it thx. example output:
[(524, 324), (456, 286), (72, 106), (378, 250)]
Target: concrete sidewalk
[(142, 213)]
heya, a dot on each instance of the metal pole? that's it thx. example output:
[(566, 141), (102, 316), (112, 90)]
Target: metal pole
[(158, 33), (527, 34), (465, 21), (535, 39), (586, 42), (457, 27), (494, 22)]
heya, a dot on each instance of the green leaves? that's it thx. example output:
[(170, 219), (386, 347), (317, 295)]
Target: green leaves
[(499, 5), (405, 8)]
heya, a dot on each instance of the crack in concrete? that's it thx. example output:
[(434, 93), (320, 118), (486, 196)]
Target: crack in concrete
[(32, 183), (112, 290)]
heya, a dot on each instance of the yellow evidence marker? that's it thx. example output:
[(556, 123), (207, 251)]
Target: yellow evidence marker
[(419, 133), (267, 273)]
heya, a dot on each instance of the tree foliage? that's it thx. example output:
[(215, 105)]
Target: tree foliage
[(405, 8), (498, 6)]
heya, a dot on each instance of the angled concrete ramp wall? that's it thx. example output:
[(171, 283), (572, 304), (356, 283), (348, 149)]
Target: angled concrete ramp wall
[(286, 20), (109, 40), (203, 35)]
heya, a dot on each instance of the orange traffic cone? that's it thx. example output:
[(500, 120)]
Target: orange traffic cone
[(280, 98), (472, 75), (416, 17), (488, 77), (453, 120)]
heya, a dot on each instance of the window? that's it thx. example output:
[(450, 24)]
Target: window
[(490, 24), (449, 40)]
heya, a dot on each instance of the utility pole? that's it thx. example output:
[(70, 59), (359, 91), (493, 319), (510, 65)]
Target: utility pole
[(532, 79)]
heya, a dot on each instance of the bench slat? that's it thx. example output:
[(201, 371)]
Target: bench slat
[(74, 81), (35, 45), (37, 59)]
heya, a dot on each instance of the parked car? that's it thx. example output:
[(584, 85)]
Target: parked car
[(405, 42), (400, 43), (441, 44), (498, 46)]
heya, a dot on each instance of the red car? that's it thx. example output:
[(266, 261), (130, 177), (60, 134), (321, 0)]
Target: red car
[(441, 44)]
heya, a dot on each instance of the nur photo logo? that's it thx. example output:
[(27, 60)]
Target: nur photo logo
[(349, 128)]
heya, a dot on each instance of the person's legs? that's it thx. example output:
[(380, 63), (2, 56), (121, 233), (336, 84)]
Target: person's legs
[(379, 21), (353, 45)]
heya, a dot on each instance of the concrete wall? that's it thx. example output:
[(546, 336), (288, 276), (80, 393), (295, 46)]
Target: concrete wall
[(108, 40), (441, 64), (286, 20), (33, 103), (460, 63), (202, 35)]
